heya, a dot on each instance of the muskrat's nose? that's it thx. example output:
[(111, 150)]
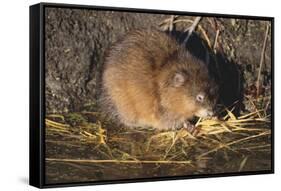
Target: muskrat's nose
[(217, 110), (210, 113)]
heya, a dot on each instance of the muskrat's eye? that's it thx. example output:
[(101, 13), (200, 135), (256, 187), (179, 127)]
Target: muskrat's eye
[(200, 98)]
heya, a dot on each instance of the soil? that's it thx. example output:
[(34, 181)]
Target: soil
[(77, 40)]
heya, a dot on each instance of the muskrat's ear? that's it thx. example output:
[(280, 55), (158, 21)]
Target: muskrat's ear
[(178, 79)]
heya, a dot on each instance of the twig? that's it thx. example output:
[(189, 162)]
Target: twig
[(216, 41), (191, 28), (171, 23), (204, 33), (56, 124), (118, 161), (216, 27), (261, 59), (233, 142), (258, 146), (254, 105), (168, 24), (267, 105), (242, 164)]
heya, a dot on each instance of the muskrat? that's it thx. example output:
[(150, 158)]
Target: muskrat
[(150, 80)]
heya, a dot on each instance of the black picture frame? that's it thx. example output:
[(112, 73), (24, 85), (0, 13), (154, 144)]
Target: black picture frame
[(37, 95)]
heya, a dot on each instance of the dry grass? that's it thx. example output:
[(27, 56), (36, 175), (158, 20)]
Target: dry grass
[(230, 134)]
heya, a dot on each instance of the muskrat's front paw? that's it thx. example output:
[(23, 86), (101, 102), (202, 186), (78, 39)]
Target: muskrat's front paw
[(191, 128)]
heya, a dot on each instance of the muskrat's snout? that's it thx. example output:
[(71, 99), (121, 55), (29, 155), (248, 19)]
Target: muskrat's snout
[(205, 113), (210, 113)]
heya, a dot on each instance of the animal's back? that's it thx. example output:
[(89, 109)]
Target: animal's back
[(135, 76), (129, 80)]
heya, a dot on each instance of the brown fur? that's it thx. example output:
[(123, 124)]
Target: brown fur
[(149, 79)]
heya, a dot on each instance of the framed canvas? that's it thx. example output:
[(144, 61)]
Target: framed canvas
[(126, 95)]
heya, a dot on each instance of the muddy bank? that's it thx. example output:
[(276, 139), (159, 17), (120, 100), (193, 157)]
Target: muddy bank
[(77, 40)]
